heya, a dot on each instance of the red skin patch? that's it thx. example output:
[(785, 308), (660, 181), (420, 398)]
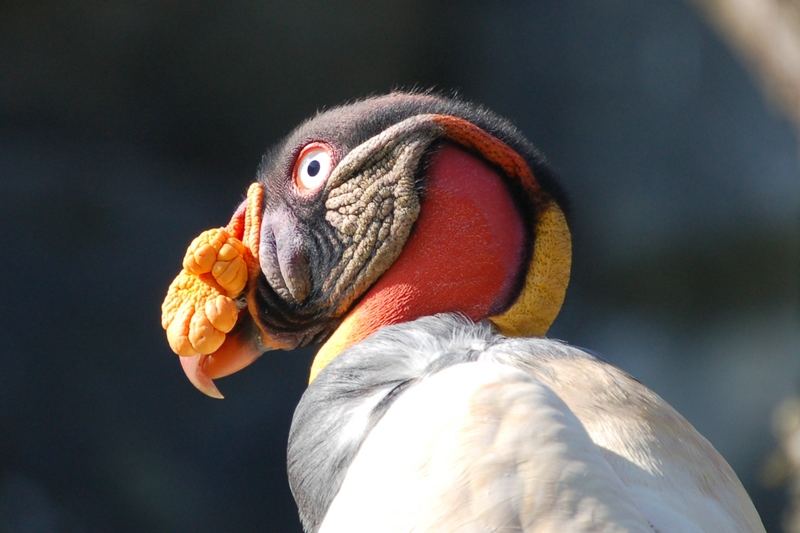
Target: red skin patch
[(463, 254)]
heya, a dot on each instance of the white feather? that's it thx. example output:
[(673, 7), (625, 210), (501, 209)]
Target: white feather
[(554, 442)]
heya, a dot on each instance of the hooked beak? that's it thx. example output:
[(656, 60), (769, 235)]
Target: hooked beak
[(241, 348), (245, 343)]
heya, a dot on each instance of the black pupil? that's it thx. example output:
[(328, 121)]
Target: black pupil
[(313, 168)]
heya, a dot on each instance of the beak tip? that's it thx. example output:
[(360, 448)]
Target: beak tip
[(193, 368), (216, 394), (210, 389)]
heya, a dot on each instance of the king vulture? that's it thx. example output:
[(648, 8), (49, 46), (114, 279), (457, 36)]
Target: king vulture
[(422, 241)]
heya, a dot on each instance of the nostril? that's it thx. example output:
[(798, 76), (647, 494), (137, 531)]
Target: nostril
[(295, 271), (288, 251)]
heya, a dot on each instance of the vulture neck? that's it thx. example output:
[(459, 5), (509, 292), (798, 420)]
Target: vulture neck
[(465, 254)]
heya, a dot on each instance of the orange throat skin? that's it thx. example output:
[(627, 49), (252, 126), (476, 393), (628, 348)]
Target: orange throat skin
[(464, 254)]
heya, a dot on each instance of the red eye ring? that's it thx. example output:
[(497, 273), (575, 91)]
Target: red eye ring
[(312, 167)]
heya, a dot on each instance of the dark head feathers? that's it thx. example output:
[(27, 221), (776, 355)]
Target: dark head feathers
[(349, 125)]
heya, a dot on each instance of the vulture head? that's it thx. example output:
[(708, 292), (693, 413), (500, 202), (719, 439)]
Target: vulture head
[(380, 212)]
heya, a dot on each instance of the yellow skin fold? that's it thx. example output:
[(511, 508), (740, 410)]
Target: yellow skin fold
[(200, 307)]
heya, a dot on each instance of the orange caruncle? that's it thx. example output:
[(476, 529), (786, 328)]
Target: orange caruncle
[(200, 307)]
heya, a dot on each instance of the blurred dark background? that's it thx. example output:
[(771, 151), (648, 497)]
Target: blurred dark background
[(128, 128)]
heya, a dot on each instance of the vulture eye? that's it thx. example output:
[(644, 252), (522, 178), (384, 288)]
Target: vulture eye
[(313, 166)]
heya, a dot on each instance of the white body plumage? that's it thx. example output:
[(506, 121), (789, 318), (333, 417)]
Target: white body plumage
[(461, 429)]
